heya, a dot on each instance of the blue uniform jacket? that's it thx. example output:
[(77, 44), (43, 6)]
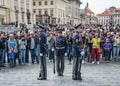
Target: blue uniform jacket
[(43, 43), (61, 42), (76, 46)]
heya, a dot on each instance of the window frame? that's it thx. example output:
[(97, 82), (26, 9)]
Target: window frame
[(51, 2), (45, 3), (40, 3), (34, 3)]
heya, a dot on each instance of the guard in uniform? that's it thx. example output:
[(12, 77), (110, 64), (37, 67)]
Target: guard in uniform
[(76, 52), (61, 46), (43, 52)]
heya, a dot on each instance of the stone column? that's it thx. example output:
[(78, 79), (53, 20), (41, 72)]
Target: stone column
[(11, 11), (19, 14), (25, 10)]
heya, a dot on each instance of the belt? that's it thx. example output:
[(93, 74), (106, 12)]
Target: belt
[(60, 47), (95, 47)]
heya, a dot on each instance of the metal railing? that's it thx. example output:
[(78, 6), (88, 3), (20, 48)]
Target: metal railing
[(6, 28)]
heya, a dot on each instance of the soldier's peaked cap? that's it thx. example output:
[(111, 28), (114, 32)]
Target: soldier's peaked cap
[(40, 26), (78, 25)]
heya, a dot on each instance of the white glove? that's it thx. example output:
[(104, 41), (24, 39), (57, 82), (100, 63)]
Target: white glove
[(82, 53), (52, 49), (65, 54), (41, 54)]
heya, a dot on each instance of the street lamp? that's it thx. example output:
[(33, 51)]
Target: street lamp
[(90, 19), (28, 16), (16, 14), (70, 18), (82, 17), (58, 20), (46, 17)]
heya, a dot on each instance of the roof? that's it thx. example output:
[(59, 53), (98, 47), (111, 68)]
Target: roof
[(107, 12), (118, 9), (88, 10), (76, 0)]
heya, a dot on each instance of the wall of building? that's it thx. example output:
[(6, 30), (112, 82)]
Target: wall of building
[(73, 11), (4, 11), (105, 20), (15, 10), (56, 10), (111, 18)]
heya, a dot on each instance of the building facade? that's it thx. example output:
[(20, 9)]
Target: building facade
[(110, 17), (50, 11), (73, 11), (3, 12), (87, 16), (15, 11)]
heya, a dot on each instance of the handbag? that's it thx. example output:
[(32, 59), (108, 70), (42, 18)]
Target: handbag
[(82, 52), (100, 51)]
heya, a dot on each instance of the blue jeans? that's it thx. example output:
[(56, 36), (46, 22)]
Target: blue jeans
[(12, 60), (37, 53), (69, 51), (27, 56), (2, 57), (22, 55), (107, 53), (12, 63), (86, 54), (32, 55), (50, 54), (116, 50)]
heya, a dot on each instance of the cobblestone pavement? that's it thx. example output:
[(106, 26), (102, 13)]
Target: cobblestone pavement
[(104, 74)]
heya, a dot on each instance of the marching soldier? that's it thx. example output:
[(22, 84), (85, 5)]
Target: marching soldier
[(60, 45), (76, 51), (43, 51)]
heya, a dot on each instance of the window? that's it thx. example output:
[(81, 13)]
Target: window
[(52, 2), (27, 5), (51, 12), (76, 11), (45, 11), (63, 14), (45, 2), (2, 2), (40, 12), (60, 13), (34, 3), (16, 3), (39, 3), (16, 15), (34, 11), (22, 17), (22, 4)]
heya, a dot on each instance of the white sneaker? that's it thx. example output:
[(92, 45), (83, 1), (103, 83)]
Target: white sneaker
[(93, 62), (83, 61), (98, 62)]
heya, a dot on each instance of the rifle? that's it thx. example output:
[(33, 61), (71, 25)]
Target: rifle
[(79, 68), (42, 57), (53, 61)]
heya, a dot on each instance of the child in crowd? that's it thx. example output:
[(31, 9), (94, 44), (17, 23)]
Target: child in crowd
[(11, 55), (107, 46)]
